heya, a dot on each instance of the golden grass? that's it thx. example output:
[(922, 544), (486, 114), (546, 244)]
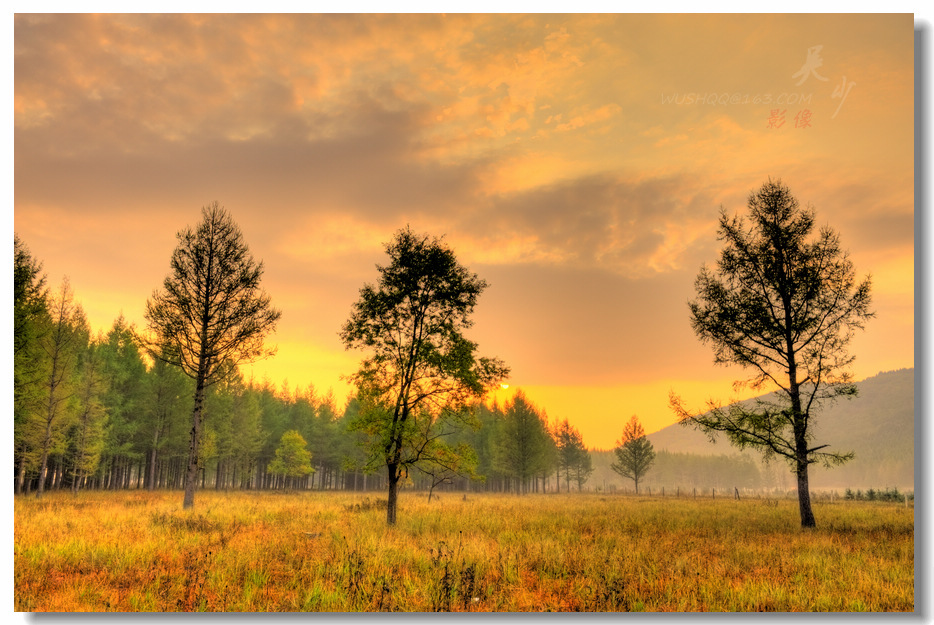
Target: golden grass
[(264, 552)]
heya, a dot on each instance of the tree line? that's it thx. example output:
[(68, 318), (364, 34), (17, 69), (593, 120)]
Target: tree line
[(104, 410), (99, 411)]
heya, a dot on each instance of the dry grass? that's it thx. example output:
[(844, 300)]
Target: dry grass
[(262, 552)]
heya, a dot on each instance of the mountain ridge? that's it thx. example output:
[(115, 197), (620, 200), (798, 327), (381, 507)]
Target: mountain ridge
[(877, 425)]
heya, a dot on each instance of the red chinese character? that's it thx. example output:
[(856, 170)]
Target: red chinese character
[(777, 118), (803, 119)]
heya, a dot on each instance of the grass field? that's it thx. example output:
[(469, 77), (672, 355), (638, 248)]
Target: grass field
[(262, 552)]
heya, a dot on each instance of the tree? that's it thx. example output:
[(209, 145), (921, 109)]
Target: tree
[(31, 322), (62, 345), (573, 458), (447, 462), (634, 452), (210, 314), (293, 460), (88, 434), (421, 370), (783, 305), (167, 404), (525, 446), (124, 373)]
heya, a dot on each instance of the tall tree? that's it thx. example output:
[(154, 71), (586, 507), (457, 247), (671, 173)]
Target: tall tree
[(89, 431), (62, 344), (421, 370), (124, 373), (573, 458), (634, 452), (524, 447), (784, 305), (167, 404), (30, 322), (246, 421), (210, 313)]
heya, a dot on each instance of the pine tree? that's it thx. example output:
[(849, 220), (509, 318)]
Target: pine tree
[(634, 452), (293, 460)]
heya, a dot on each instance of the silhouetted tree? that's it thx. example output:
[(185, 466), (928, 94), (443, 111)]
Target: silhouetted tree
[(785, 306), (421, 370), (210, 314), (573, 458), (634, 452)]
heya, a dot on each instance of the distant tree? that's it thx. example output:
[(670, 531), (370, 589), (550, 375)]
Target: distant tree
[(293, 460), (62, 345), (248, 439), (784, 306), (524, 446), (421, 370), (634, 452), (88, 433), (573, 458), (210, 314), (124, 373), (166, 405)]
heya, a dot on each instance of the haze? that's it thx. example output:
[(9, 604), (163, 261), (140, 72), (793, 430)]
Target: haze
[(578, 163)]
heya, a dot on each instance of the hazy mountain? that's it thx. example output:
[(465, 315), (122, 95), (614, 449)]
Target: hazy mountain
[(877, 425)]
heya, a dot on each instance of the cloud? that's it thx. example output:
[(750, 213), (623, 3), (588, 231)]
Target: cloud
[(538, 144), (636, 227)]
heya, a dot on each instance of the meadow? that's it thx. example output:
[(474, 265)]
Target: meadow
[(312, 551)]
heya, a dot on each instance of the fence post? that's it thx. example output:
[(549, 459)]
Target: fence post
[(736, 490)]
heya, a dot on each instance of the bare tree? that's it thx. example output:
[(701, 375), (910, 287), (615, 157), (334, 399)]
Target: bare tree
[(210, 314)]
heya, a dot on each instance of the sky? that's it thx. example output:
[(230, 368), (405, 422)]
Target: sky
[(577, 163)]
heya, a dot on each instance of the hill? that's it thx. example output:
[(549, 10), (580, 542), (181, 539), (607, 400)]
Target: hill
[(877, 425)]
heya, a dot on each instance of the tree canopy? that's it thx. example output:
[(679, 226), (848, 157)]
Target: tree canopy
[(420, 371), (292, 459), (784, 304), (573, 458), (211, 314), (634, 452)]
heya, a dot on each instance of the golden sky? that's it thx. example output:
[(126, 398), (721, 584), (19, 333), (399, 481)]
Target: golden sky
[(577, 163)]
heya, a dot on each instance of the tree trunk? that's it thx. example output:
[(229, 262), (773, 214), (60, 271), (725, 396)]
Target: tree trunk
[(152, 468), (191, 475), (21, 476), (393, 476), (804, 496)]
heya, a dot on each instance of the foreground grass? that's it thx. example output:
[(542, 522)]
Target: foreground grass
[(262, 552)]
